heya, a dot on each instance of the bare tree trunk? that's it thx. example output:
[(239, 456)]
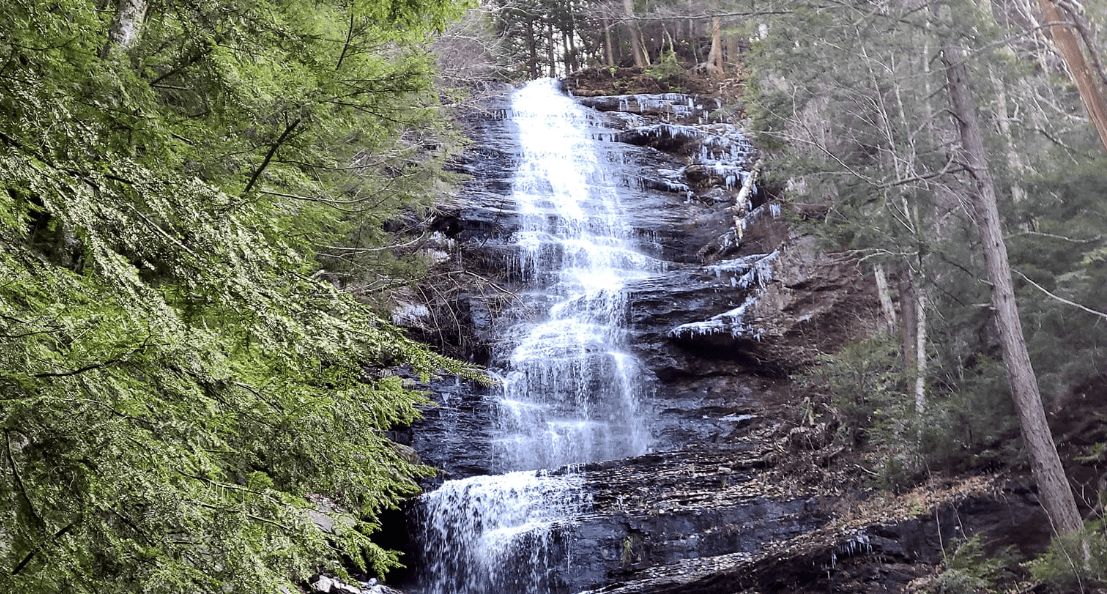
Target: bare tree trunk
[(532, 46), (567, 54), (572, 58), (693, 35), (635, 37), (913, 304), (1053, 487), (716, 58), (1070, 50), (1087, 33), (126, 25), (920, 352), (1018, 194), (732, 41), (551, 55), (608, 46), (907, 303), (885, 298)]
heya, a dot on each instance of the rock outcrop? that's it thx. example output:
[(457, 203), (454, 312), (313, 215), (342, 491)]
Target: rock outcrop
[(721, 503), (887, 548)]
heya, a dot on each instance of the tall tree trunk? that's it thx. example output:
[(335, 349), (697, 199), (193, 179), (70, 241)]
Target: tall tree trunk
[(716, 58), (920, 351), (608, 46), (907, 303), (572, 57), (551, 55), (1069, 47), (1053, 487), (693, 36), (1014, 163), (635, 37), (1087, 33), (732, 42), (678, 30), (885, 299), (532, 46), (126, 25)]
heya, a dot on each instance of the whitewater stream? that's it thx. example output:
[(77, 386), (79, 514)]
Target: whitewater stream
[(569, 392)]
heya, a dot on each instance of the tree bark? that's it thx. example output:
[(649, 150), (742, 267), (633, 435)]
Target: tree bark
[(572, 57), (716, 58), (885, 298), (907, 305), (532, 47), (920, 352), (1069, 48), (1087, 33), (693, 35), (1053, 487), (635, 37), (608, 46), (126, 25), (127, 22), (732, 42), (1014, 163), (551, 55)]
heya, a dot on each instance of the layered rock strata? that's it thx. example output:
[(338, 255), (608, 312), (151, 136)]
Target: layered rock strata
[(741, 304)]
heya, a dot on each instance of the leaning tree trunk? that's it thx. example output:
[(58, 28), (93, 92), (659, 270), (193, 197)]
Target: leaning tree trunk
[(1053, 487), (1069, 47)]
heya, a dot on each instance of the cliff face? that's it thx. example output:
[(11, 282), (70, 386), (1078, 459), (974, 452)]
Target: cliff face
[(738, 492)]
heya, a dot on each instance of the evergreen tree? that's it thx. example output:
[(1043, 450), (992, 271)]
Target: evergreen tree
[(184, 399)]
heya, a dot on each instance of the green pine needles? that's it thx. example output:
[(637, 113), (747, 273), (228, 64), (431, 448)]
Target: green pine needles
[(182, 397)]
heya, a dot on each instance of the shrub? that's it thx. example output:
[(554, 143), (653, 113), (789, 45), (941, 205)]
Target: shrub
[(1074, 561)]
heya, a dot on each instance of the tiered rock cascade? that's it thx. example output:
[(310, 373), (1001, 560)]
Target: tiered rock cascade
[(735, 305)]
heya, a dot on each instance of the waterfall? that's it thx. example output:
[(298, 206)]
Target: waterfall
[(569, 386)]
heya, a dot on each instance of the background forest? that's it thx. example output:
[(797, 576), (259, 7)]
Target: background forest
[(206, 207)]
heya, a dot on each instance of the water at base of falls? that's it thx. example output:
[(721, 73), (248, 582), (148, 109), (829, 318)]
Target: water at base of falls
[(502, 533), (569, 388)]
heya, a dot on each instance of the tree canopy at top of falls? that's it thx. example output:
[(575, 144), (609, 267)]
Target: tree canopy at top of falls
[(183, 404)]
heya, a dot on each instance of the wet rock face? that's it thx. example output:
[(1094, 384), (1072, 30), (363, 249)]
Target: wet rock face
[(884, 554), (739, 304), (665, 508), (484, 209), (454, 435), (682, 191)]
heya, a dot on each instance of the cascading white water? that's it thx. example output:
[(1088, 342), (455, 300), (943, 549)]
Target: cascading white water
[(569, 386)]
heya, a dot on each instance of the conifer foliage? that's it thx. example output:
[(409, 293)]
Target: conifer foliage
[(179, 389)]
